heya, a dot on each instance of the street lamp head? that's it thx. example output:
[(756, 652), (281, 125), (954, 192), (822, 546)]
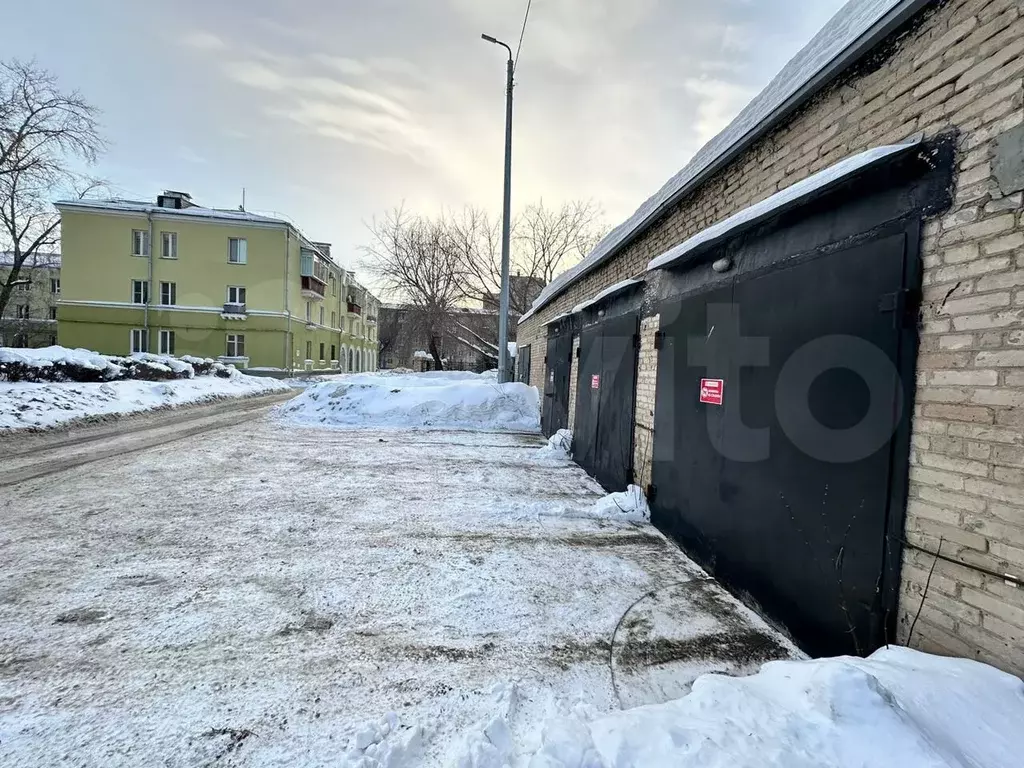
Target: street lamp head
[(496, 41)]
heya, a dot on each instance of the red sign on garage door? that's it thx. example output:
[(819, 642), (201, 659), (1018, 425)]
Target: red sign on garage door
[(595, 381), (711, 391)]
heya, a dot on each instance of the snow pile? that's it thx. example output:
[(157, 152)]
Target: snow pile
[(50, 357), (453, 399), (83, 365), (558, 446), (491, 743), (898, 707), (630, 505), (381, 744), (31, 405)]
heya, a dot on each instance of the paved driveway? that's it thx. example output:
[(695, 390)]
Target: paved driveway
[(268, 594)]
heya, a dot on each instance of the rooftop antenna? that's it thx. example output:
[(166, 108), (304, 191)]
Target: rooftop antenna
[(242, 206)]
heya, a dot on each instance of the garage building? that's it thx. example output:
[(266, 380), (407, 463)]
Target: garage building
[(808, 346)]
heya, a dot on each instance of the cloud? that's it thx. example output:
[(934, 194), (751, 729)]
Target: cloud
[(206, 41), (718, 102), (342, 64), (189, 155)]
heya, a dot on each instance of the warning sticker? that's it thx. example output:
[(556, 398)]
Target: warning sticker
[(595, 381), (712, 391)]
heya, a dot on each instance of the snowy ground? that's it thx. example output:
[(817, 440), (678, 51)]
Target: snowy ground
[(281, 595), (398, 595), (25, 405)]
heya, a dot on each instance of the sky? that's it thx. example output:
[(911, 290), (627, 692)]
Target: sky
[(332, 112)]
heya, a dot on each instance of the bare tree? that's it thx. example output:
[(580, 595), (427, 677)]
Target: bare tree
[(545, 241), (414, 259), (42, 131)]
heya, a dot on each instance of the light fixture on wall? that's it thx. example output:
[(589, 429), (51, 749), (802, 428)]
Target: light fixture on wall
[(723, 264)]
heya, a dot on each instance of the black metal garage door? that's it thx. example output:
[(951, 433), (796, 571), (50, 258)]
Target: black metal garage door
[(558, 364), (788, 488), (605, 394), (523, 364)]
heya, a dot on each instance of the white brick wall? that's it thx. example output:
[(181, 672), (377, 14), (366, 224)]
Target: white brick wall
[(961, 66)]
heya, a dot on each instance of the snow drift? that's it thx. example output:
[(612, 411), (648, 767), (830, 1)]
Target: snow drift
[(898, 707), (452, 399), (31, 405)]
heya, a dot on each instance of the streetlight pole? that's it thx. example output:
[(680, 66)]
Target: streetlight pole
[(505, 219)]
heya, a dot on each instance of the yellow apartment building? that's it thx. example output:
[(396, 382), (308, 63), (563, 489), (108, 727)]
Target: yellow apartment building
[(173, 277)]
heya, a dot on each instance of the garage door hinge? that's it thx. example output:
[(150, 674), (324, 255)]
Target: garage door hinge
[(577, 352), (652, 491), (905, 304), (545, 359), (659, 339), (636, 341)]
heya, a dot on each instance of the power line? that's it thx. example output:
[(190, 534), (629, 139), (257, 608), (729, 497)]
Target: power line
[(515, 63)]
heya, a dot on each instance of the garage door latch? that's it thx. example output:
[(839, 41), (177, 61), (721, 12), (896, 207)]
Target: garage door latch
[(904, 304)]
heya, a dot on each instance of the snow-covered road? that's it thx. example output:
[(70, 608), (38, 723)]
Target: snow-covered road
[(268, 594)]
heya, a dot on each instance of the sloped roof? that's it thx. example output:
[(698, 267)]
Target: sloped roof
[(196, 211), (857, 27)]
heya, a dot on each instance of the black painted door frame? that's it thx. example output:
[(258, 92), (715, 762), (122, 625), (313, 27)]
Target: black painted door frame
[(557, 370), (731, 513), (605, 400)]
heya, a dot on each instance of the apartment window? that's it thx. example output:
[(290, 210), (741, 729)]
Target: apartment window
[(165, 340), (334, 319), (24, 286), (334, 286), (140, 340), (321, 319), (140, 292), (236, 345), (334, 352), (168, 293), (169, 245), (21, 340), (53, 339), (22, 311), (237, 250), (140, 242), (54, 285), (53, 313), (309, 350), (321, 351), (236, 294), (309, 313)]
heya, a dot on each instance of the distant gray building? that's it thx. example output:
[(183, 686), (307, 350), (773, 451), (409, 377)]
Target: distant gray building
[(465, 344), (30, 318)]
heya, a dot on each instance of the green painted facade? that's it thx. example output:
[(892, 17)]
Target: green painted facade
[(301, 309)]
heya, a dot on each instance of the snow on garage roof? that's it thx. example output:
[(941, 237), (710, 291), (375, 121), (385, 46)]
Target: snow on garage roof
[(854, 30), (611, 290), (770, 205)]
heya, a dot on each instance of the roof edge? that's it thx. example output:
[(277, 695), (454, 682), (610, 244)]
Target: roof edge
[(881, 29)]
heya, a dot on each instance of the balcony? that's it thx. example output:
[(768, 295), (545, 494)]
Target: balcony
[(234, 310), (312, 288), (353, 308), (314, 274)]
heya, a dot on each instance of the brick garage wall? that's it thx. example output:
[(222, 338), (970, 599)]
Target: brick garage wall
[(960, 64), (646, 386), (574, 377)]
